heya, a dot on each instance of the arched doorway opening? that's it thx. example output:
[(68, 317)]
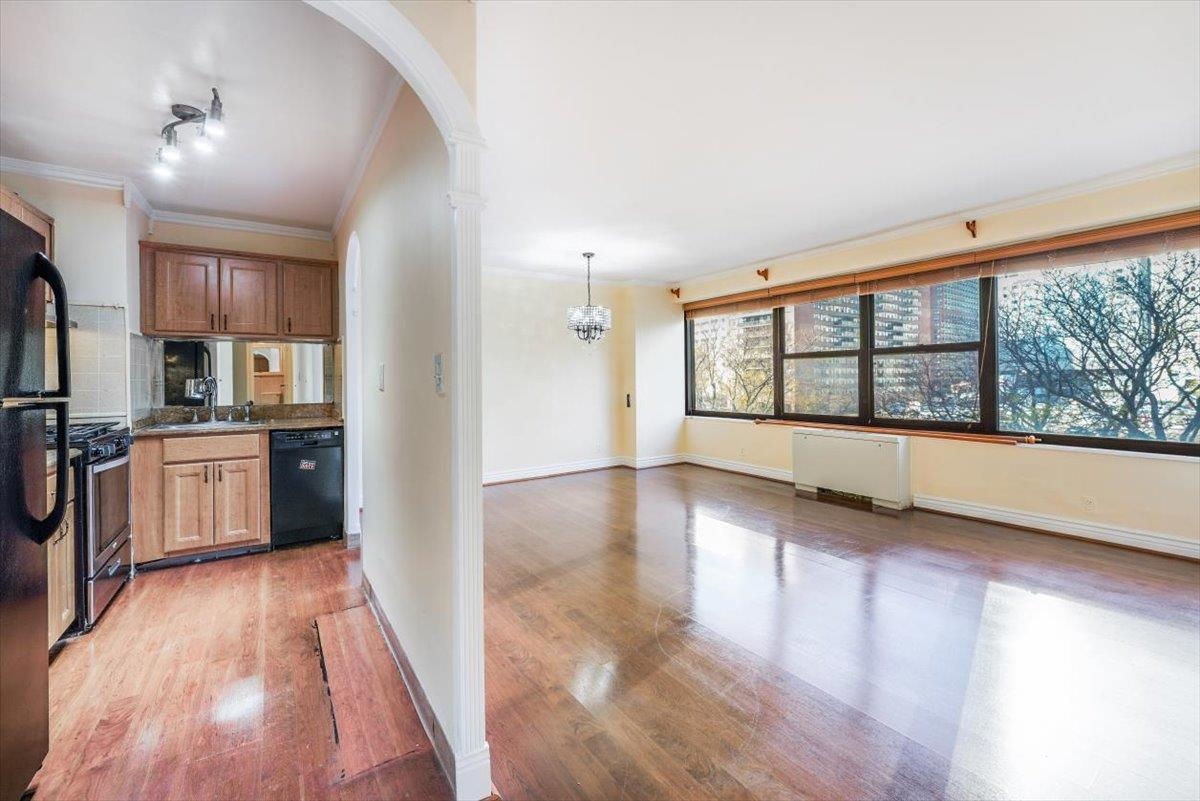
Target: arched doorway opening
[(384, 27)]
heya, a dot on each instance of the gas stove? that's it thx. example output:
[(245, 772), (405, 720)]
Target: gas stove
[(99, 441)]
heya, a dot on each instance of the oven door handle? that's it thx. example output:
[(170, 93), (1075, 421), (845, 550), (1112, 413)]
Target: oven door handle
[(104, 467)]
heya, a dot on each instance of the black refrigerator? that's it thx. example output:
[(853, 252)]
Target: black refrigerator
[(25, 523)]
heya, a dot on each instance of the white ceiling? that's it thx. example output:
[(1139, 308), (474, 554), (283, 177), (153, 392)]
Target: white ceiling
[(681, 139), (88, 85)]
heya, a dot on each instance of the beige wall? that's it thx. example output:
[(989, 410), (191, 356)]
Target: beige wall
[(89, 236), (251, 241), (658, 363), (1137, 493), (550, 402), (448, 25), (405, 227)]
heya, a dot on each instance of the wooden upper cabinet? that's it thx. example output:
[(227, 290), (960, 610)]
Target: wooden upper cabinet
[(236, 502), (249, 298), (236, 295), (186, 298), (307, 300), (187, 506)]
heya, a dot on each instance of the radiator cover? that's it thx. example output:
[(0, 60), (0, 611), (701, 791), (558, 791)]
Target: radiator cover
[(861, 462)]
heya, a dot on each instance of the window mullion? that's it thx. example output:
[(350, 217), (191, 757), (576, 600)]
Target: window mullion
[(777, 357), (866, 344)]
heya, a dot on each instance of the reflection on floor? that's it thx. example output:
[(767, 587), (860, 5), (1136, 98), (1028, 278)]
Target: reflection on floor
[(205, 682), (686, 633)]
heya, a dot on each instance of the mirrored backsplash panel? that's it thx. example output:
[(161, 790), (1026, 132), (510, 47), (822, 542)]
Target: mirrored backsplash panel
[(268, 373)]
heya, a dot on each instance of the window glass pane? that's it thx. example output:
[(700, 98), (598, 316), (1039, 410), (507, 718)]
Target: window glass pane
[(821, 386), (821, 325), (928, 386), (732, 360), (1102, 350), (928, 315)]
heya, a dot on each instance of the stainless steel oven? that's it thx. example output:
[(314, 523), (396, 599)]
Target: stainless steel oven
[(107, 496)]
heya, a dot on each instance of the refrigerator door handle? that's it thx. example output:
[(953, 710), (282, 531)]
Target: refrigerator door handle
[(44, 268), (42, 529)]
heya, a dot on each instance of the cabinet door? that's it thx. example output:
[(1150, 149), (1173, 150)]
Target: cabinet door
[(236, 504), (185, 293), (187, 506), (60, 577), (249, 298), (307, 300)]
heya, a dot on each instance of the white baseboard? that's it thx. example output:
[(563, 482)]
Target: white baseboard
[(547, 470), (473, 775), (1084, 529), (656, 461), (775, 473)]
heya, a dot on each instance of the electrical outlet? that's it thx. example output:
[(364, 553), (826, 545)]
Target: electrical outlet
[(439, 384), (379, 379), (1089, 503)]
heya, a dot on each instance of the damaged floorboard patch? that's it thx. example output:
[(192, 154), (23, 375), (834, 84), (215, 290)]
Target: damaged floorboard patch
[(374, 718)]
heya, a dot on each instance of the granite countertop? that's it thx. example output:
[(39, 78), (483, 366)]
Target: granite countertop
[(222, 427)]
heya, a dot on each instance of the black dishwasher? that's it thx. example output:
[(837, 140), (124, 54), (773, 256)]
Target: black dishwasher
[(306, 486)]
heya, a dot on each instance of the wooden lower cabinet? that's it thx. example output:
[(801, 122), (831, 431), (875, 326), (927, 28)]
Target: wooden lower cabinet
[(187, 512), (197, 494), (60, 577), (236, 501)]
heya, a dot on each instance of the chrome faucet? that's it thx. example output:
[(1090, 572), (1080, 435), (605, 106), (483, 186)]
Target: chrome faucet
[(209, 387), (245, 410)]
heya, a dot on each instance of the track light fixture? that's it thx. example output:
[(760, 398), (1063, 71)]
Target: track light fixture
[(211, 125)]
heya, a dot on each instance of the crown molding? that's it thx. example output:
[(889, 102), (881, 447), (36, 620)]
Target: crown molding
[(1109, 181), (364, 157), (562, 277), (233, 224), (55, 172), (132, 196)]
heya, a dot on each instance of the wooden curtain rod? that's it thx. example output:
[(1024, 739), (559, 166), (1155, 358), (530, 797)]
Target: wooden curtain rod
[(962, 436), (1170, 222)]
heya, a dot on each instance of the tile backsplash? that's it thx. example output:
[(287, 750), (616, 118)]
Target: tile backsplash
[(97, 360), (145, 375)]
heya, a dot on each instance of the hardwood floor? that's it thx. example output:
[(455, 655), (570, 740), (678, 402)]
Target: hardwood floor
[(687, 633), (670, 633), (205, 682)]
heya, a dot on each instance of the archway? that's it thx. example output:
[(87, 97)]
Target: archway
[(389, 32)]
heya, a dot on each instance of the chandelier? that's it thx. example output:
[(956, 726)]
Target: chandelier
[(211, 125), (589, 322)]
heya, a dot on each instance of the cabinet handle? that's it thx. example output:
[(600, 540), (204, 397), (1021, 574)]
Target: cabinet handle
[(289, 325), (220, 472), (205, 474), (212, 322)]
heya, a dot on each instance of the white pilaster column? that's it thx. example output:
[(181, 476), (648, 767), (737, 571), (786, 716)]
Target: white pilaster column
[(472, 766)]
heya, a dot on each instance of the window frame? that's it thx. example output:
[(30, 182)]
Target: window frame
[(985, 348)]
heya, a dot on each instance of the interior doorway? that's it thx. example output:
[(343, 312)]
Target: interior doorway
[(352, 382)]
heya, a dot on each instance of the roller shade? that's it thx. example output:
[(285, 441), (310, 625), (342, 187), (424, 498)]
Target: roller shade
[(1137, 239)]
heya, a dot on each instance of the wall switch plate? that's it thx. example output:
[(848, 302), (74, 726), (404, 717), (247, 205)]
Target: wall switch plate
[(379, 379), (439, 384)]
